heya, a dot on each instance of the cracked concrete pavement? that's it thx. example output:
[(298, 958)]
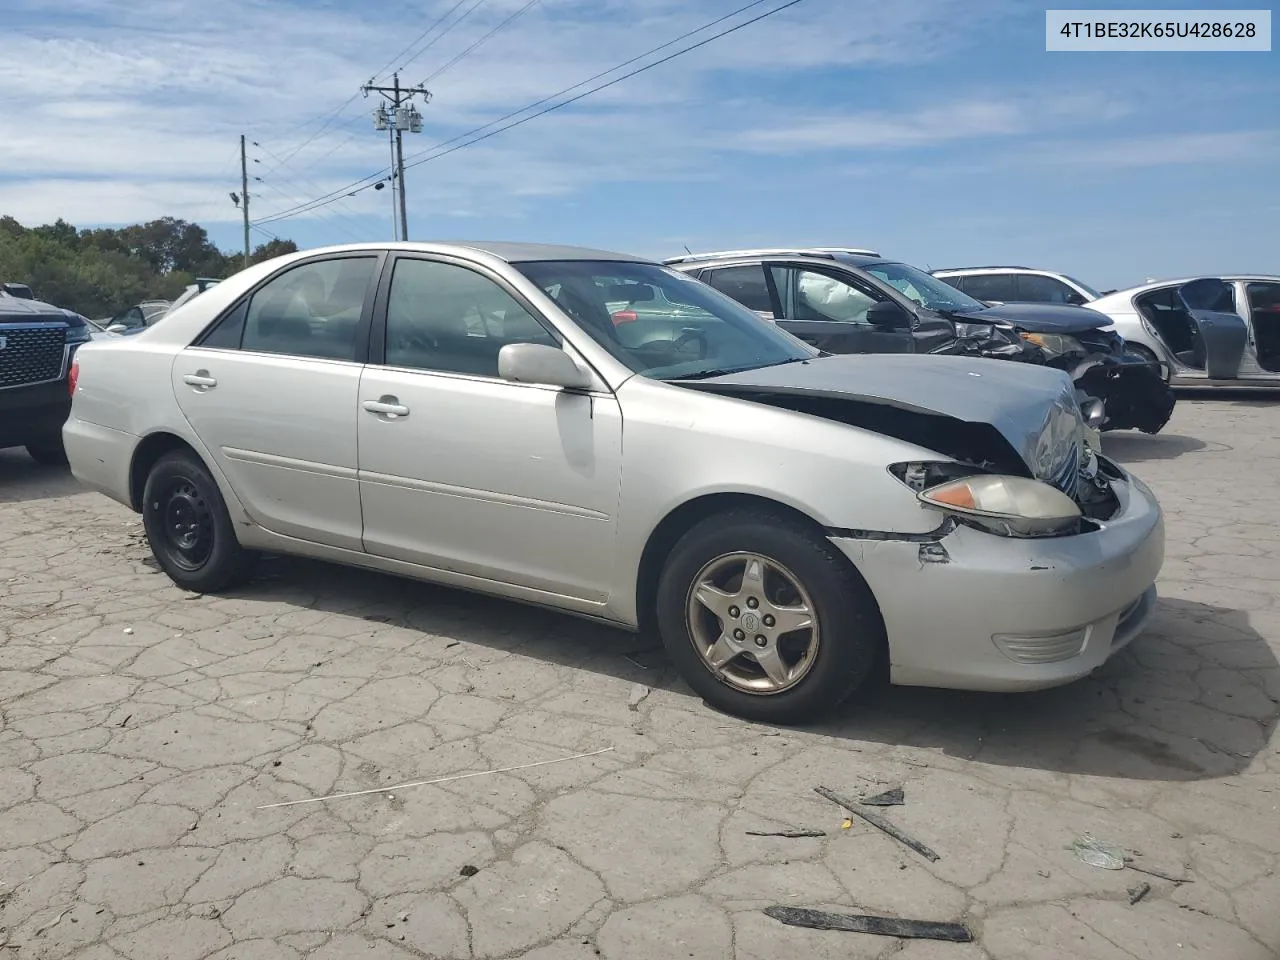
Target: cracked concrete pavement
[(141, 729)]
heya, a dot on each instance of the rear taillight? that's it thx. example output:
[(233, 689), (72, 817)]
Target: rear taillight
[(625, 316), (73, 376)]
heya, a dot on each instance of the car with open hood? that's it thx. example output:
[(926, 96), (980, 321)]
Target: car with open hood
[(471, 415), (846, 301)]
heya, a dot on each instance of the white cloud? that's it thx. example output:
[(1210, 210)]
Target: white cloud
[(1225, 147), (126, 111)]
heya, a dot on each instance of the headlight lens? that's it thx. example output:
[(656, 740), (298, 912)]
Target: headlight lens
[(974, 331), (1008, 506), (1054, 345)]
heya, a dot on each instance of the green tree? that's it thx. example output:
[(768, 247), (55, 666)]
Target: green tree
[(102, 271)]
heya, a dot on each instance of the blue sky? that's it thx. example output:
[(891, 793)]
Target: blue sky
[(938, 131)]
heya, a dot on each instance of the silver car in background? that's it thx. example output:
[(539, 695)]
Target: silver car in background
[(478, 416), (1221, 330)]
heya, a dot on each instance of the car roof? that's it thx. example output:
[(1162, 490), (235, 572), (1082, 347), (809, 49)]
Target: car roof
[(1178, 281), (824, 253), (511, 252), (955, 270)]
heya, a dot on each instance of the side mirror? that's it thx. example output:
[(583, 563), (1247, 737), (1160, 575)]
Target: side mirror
[(1075, 299), (116, 328), (888, 315), (542, 364)]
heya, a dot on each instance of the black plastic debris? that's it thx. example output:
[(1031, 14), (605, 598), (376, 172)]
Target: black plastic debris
[(890, 798), (879, 926), (1138, 892), (468, 871), (789, 834), (879, 823)]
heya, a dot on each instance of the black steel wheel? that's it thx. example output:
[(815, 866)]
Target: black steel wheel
[(188, 526)]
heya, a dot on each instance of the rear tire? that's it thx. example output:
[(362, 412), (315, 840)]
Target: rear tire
[(802, 672), (48, 453), (1146, 353), (189, 528)]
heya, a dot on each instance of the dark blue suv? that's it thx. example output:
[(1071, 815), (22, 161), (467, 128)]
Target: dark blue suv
[(37, 343)]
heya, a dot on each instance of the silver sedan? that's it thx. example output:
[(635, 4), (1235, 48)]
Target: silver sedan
[(1212, 331), (485, 416)]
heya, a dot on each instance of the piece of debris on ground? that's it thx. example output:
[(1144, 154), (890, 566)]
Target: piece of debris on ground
[(890, 798), (1089, 849), (638, 693), (879, 926), (1138, 892), (790, 834), (879, 823)]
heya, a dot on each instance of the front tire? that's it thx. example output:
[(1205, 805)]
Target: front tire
[(765, 619), (48, 453), (189, 528)]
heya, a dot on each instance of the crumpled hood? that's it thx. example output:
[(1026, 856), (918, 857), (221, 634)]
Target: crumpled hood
[(1044, 317), (1033, 407)]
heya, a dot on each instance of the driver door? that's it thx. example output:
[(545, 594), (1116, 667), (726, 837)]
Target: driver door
[(829, 311), (1220, 334), (464, 471)]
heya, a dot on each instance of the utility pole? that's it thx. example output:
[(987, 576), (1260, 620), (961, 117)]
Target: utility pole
[(244, 196), (402, 116)]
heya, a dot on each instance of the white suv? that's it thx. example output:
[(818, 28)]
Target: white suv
[(1018, 285)]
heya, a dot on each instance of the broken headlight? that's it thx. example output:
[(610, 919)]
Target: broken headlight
[(1054, 345), (1006, 506)]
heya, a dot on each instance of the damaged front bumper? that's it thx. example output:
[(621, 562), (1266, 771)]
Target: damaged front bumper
[(971, 610), (1134, 392)]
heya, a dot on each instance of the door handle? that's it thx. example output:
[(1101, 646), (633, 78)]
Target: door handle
[(389, 407), (200, 380)]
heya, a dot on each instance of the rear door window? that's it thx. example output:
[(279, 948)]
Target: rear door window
[(1035, 288), (748, 285), (991, 286)]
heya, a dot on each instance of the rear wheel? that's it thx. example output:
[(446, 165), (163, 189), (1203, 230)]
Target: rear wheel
[(765, 619), (48, 453), (188, 526), (1146, 353)]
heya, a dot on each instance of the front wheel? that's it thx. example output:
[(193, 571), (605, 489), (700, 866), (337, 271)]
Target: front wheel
[(188, 526), (766, 619)]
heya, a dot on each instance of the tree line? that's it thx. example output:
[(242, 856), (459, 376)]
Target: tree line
[(99, 272)]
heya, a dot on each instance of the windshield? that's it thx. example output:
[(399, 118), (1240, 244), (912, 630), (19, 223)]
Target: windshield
[(661, 323), (1085, 287), (926, 290)]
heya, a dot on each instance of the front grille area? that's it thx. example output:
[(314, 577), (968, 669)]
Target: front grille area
[(31, 353)]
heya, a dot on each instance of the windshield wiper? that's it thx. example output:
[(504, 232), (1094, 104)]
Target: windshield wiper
[(725, 371)]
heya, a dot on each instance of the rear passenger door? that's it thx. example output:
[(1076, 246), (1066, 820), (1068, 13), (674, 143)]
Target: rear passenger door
[(271, 389)]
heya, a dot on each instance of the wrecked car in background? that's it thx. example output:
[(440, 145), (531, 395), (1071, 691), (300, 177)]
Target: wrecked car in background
[(845, 301), (472, 415), (1219, 330)]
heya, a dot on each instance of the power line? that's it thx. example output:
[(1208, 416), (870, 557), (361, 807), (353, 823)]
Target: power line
[(329, 118), (372, 180), (366, 182), (604, 86), (488, 36), (346, 214), (414, 42)]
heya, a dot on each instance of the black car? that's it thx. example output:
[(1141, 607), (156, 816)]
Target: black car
[(844, 302), (37, 343)]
